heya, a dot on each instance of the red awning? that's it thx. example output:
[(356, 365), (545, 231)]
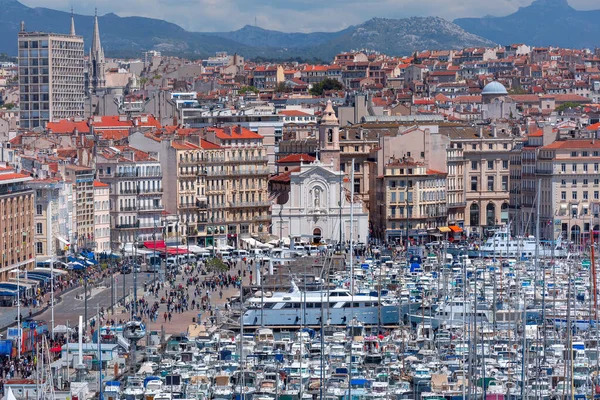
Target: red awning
[(175, 250), (160, 244), (455, 229), (56, 349)]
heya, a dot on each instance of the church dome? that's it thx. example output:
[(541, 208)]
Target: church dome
[(494, 88)]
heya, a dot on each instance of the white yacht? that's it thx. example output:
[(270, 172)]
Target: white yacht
[(337, 306), (501, 244)]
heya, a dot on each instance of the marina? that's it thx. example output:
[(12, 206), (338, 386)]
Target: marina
[(377, 325)]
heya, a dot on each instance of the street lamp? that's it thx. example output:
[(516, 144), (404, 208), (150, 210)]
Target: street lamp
[(52, 293)]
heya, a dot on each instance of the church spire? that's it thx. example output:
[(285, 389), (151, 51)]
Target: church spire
[(72, 33), (96, 47)]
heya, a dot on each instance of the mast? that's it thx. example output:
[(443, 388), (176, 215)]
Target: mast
[(351, 275)]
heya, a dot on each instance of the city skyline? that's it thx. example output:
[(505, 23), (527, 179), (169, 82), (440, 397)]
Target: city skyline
[(292, 16)]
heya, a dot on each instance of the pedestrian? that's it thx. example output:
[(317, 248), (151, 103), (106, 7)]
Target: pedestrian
[(169, 317), (165, 315)]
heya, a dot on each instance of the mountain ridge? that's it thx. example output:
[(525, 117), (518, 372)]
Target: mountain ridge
[(542, 23), (129, 36)]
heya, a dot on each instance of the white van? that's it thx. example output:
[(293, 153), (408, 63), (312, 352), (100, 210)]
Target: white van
[(203, 256), (239, 254), (225, 255), (171, 261)]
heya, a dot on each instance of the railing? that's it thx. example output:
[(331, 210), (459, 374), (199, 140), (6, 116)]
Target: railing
[(249, 204), (128, 208), (151, 191), (128, 226), (262, 218), (457, 204), (151, 208), (135, 175)]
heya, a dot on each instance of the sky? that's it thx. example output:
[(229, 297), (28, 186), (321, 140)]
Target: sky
[(290, 15)]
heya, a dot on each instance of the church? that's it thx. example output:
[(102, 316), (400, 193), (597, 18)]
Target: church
[(310, 208)]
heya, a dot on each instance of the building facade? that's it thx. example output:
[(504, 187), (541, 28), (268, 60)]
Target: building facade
[(136, 190), (102, 217), (17, 204), (51, 77), (82, 179), (413, 201), (46, 219)]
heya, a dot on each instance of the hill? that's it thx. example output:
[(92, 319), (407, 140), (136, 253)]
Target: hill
[(543, 23), (129, 36)]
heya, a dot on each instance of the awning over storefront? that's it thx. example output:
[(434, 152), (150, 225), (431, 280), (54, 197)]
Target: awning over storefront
[(444, 229), (160, 244), (175, 250), (455, 229)]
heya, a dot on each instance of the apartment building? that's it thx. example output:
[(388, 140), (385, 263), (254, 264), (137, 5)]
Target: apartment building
[(246, 189), (136, 190), (102, 217), (82, 179), (17, 203), (411, 199), (46, 218), (51, 77), (192, 196), (569, 172), (485, 171)]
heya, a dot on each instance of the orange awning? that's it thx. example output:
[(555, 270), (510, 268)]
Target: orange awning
[(455, 229)]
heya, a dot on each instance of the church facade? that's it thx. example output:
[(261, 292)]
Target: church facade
[(318, 205)]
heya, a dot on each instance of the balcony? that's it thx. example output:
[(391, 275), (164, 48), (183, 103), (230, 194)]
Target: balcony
[(456, 159), (247, 159), (262, 218), (186, 205), (128, 226), (216, 173), (242, 204), (149, 192), (459, 204), (127, 209), (151, 208), (135, 175)]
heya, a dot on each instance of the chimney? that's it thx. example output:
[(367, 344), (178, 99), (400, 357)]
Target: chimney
[(480, 134), (494, 131), (22, 26)]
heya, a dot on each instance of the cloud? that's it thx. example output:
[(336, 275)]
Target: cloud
[(290, 15)]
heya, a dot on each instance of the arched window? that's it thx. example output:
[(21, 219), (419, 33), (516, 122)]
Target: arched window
[(490, 212), (474, 214)]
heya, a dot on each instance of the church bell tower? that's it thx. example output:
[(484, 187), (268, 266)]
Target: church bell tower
[(329, 138)]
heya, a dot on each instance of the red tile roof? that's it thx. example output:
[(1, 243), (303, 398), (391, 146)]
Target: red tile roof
[(574, 144), (99, 184), (284, 177), (593, 127), (68, 126), (234, 132), (296, 158), (205, 144), (111, 121), (294, 113)]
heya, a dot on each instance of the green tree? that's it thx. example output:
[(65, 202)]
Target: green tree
[(247, 89), (566, 106), (9, 106), (216, 265), (282, 88), (325, 85)]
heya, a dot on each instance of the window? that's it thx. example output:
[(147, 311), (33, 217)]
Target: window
[(505, 146), (490, 164), (574, 167), (563, 182), (596, 181), (490, 183), (473, 183), (574, 195), (393, 199), (408, 154), (596, 195), (356, 167), (491, 146), (39, 209), (504, 183), (563, 195), (574, 182), (422, 154), (584, 153), (356, 185), (595, 154), (38, 228), (595, 167), (39, 248), (563, 167), (585, 195), (473, 147), (504, 164), (573, 154), (585, 182), (474, 165), (585, 168), (356, 149), (393, 211)]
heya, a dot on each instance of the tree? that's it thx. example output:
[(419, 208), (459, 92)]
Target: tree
[(566, 106), (247, 89), (282, 88), (325, 85), (216, 265), (9, 106)]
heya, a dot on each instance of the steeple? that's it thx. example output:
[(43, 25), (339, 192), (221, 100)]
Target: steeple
[(96, 35), (97, 76), (329, 138), (72, 33)]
